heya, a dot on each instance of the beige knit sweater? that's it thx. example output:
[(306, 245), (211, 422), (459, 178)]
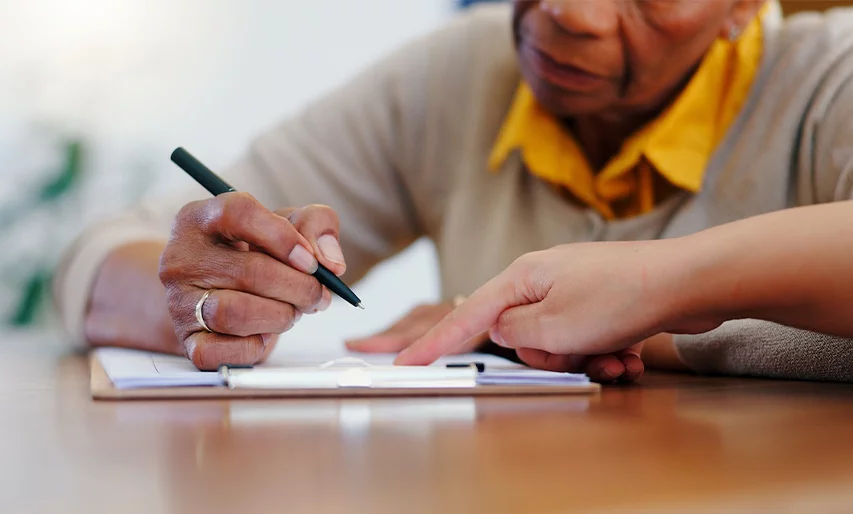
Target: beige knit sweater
[(400, 152)]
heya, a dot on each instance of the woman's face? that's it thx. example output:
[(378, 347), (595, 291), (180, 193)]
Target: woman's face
[(612, 57)]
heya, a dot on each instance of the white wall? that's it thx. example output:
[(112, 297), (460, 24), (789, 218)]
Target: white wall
[(135, 78)]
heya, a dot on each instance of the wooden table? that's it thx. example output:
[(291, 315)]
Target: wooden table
[(672, 444)]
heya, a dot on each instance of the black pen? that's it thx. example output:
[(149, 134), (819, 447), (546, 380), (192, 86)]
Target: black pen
[(216, 186)]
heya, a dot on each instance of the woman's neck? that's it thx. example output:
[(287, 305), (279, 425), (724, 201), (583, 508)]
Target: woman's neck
[(601, 139), (601, 136)]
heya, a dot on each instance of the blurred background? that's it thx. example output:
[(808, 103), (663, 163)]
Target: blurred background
[(94, 95)]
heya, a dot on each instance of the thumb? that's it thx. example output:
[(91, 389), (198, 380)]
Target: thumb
[(476, 315), (524, 326), (320, 226)]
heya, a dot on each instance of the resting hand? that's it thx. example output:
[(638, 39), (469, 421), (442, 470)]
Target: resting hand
[(560, 306), (625, 365)]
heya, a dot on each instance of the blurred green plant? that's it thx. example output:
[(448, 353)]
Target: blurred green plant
[(33, 294)]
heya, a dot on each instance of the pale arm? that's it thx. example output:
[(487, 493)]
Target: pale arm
[(785, 281), (793, 267), (752, 347), (788, 267)]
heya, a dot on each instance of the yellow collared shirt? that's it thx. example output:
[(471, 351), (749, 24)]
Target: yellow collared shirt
[(675, 147)]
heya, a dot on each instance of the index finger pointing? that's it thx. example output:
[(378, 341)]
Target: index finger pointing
[(476, 315)]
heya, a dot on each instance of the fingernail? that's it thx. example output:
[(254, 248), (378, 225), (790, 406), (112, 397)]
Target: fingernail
[(401, 357), (324, 304), (331, 248), (267, 338), (633, 367), (607, 374), (303, 260), (297, 317)]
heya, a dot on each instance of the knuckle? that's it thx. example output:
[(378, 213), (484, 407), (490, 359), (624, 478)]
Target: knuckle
[(316, 215), (295, 215), (326, 212), (172, 268), (320, 209), (289, 317), (503, 330), (313, 292), (305, 292), (233, 208), (191, 217), (252, 272), (286, 212), (526, 263), (188, 212), (529, 276), (166, 268), (240, 200), (181, 253), (520, 266)]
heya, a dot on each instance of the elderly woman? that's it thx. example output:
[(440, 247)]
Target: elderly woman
[(513, 129)]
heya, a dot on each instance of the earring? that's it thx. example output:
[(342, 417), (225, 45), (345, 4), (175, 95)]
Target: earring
[(549, 7), (734, 33)]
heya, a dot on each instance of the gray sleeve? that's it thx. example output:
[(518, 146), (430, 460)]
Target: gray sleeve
[(763, 349), (825, 166)]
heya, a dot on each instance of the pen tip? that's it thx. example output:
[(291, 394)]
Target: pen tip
[(360, 306)]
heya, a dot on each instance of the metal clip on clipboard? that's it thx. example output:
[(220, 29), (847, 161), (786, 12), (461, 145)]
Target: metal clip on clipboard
[(347, 373)]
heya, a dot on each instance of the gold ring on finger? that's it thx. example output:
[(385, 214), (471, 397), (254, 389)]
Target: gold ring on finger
[(199, 316)]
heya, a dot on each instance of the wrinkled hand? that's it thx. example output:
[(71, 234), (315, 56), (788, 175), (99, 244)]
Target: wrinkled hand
[(258, 264), (559, 307), (411, 327)]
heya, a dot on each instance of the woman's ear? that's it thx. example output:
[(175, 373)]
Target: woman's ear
[(740, 15)]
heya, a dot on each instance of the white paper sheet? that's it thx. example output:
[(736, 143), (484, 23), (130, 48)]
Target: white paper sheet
[(129, 369), (529, 377)]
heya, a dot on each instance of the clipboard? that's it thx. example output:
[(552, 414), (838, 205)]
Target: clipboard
[(102, 388)]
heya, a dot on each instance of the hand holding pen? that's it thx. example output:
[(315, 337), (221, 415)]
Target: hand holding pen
[(237, 274)]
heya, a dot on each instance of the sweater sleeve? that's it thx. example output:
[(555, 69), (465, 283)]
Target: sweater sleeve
[(352, 150), (763, 349)]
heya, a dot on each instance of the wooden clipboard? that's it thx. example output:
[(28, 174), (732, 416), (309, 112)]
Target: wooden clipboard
[(102, 388)]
